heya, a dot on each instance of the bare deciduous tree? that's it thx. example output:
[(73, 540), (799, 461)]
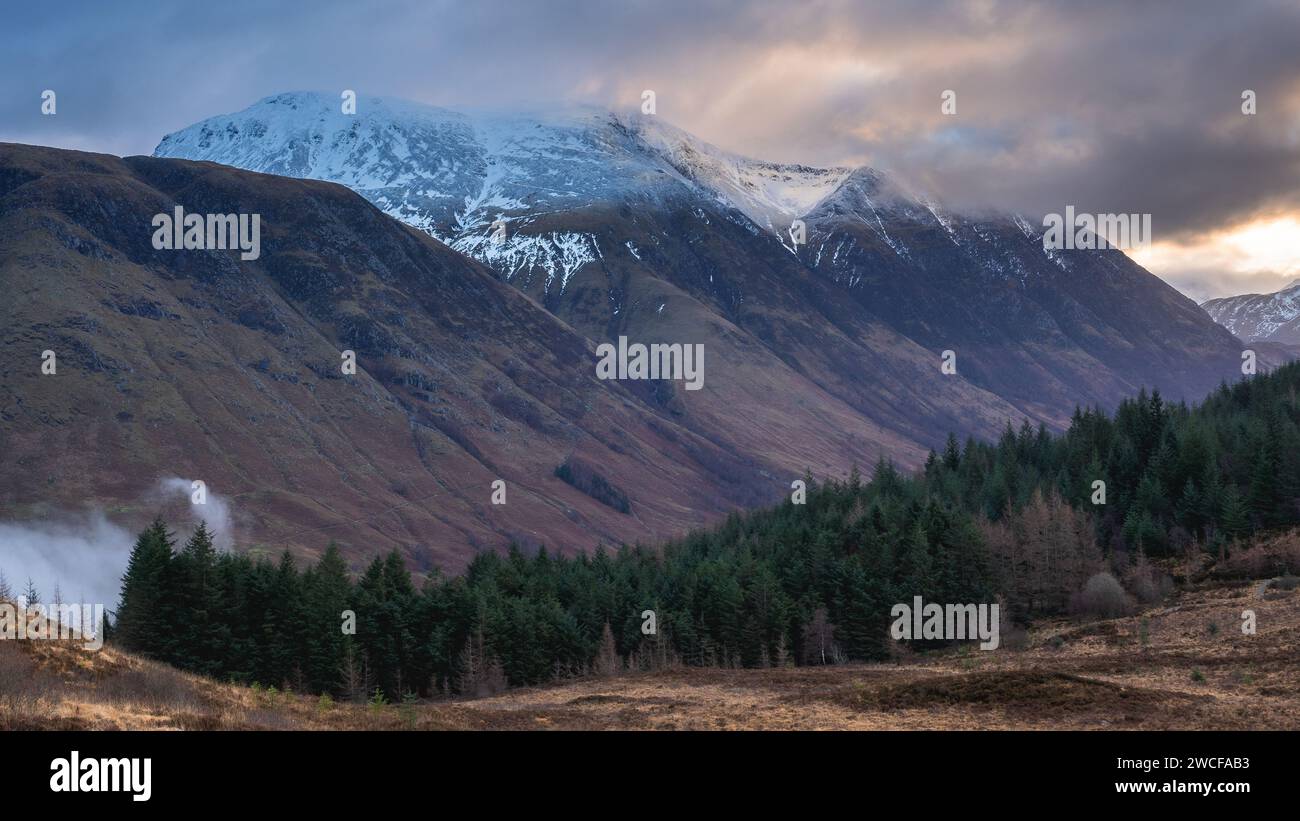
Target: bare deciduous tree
[(1043, 553), (819, 639), (608, 662)]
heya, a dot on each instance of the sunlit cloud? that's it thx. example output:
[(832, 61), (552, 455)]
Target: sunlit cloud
[(1261, 256)]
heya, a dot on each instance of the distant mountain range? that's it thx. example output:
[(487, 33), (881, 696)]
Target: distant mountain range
[(1260, 317), (476, 344)]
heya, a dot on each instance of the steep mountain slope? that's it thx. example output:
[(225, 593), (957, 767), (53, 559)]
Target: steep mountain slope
[(1042, 329), (1271, 317), (201, 365), (627, 225)]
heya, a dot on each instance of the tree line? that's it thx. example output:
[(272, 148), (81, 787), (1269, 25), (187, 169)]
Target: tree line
[(798, 583), (1174, 476)]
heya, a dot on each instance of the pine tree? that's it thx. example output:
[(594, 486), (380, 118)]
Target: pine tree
[(1211, 498), (141, 621), (196, 606), (327, 595), (915, 569), (1190, 508), (284, 639), (861, 627), (1262, 498), (472, 665), (1235, 518)]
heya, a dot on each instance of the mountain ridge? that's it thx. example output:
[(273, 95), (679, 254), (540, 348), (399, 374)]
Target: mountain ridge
[(1272, 317), (635, 185)]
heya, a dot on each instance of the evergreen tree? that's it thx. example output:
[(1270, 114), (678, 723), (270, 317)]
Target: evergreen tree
[(327, 594), (141, 621), (951, 454), (194, 608), (1262, 500), (1234, 520)]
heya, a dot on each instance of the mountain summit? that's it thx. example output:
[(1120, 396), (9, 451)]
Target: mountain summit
[(467, 164)]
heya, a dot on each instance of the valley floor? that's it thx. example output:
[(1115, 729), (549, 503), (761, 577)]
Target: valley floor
[(1191, 667)]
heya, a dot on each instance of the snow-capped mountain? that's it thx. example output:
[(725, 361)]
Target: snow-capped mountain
[(625, 224), (1271, 317), (455, 175), (439, 169), (431, 167)]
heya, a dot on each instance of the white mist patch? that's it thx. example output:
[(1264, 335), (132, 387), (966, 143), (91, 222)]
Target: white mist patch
[(84, 556), (214, 509)]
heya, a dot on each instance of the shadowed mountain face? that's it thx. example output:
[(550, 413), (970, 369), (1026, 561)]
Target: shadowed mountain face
[(198, 364), (1041, 329)]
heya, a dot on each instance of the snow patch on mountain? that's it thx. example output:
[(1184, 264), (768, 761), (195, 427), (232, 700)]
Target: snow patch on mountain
[(558, 254)]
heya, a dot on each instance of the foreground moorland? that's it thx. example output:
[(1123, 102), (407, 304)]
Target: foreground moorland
[(1184, 664)]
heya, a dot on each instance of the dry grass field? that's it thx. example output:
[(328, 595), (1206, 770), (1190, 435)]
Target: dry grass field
[(1183, 665)]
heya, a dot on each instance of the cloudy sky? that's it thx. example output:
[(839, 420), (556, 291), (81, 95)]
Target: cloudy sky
[(1107, 106)]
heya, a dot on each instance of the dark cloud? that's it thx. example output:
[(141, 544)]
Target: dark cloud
[(1108, 106)]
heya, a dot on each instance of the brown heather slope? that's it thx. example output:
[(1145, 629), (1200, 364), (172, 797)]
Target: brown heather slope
[(199, 365), (1186, 674)]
